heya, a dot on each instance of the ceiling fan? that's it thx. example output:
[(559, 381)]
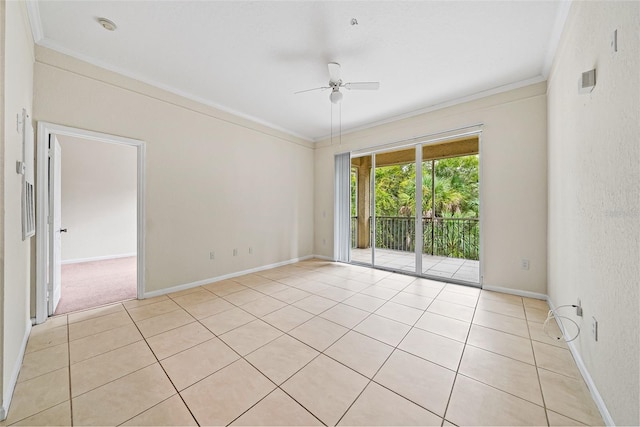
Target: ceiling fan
[(335, 83)]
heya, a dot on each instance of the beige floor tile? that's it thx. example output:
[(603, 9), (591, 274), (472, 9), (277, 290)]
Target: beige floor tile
[(412, 300), (225, 287), (165, 322), (171, 412), (98, 324), (227, 320), (421, 290), (36, 395), (569, 397), (558, 360), (501, 307), (379, 292), (499, 296), (418, 380), (50, 323), (336, 294), (200, 296), (557, 420), (263, 306), (326, 388), (399, 312), (474, 403), (457, 298), (315, 304), (435, 348), (290, 295), (445, 326), (466, 290), (184, 292), (243, 297), (152, 310), (251, 336), (345, 315), (447, 423), (535, 314), (277, 409), (176, 340), (312, 287), (502, 343), (41, 339), (538, 334), (500, 322), (252, 280), (281, 358), (386, 330), (319, 333), (364, 302), (43, 361), (455, 311), (535, 303), (273, 287), (504, 373), (94, 345), (287, 318), (378, 406), (92, 373), (124, 398), (351, 285), (94, 313), (142, 302), (192, 365), (359, 352), (209, 308), (223, 396), (59, 415)]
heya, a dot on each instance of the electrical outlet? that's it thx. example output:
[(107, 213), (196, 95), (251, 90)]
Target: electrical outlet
[(235, 252), (614, 41), (594, 328), (250, 250), (579, 308), (324, 242), (524, 264), (212, 255)]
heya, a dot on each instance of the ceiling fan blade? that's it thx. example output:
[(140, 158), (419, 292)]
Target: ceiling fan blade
[(362, 86), (309, 90), (334, 72)]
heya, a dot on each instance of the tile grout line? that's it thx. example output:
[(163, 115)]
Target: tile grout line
[(535, 361)]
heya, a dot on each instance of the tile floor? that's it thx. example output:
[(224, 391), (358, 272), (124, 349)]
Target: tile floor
[(465, 270), (306, 344)]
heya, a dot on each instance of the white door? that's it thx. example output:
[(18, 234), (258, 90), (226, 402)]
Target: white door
[(55, 247)]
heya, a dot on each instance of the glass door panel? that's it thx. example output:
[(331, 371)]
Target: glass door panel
[(361, 173), (395, 209)]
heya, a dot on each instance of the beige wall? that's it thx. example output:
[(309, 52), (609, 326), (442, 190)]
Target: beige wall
[(99, 193), (18, 84), (513, 179), (214, 182), (594, 191)]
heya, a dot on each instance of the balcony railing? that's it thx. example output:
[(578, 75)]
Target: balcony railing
[(450, 237), (354, 232)]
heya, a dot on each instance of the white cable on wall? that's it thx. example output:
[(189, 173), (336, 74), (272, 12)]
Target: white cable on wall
[(554, 315)]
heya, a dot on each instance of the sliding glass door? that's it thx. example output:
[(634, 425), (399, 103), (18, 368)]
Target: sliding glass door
[(415, 209)]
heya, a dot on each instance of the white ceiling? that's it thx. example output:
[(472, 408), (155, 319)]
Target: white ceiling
[(250, 57)]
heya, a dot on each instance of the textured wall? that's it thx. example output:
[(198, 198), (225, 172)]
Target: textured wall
[(99, 196), (214, 182), (594, 194)]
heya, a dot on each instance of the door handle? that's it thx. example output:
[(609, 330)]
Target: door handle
[(63, 230)]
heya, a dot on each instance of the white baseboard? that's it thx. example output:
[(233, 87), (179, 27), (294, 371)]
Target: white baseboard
[(517, 292), (6, 400), (98, 258), (185, 286), (324, 258), (595, 394)]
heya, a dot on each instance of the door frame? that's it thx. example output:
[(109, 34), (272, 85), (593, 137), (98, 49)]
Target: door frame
[(45, 129)]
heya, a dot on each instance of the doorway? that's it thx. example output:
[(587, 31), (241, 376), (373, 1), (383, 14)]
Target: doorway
[(417, 209), (100, 258)]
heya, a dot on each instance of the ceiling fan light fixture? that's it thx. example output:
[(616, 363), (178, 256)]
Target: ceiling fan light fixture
[(335, 96)]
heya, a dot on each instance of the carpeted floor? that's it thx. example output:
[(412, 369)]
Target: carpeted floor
[(91, 284)]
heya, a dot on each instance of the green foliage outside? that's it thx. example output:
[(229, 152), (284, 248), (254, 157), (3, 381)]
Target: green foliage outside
[(456, 189)]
